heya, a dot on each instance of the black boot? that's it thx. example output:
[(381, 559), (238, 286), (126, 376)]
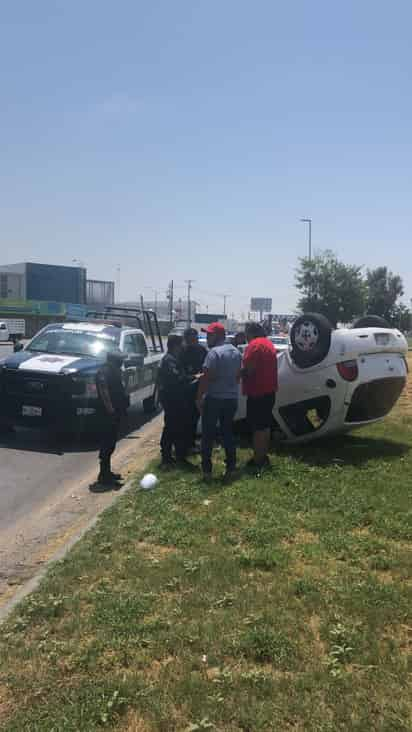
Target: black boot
[(106, 477), (116, 476)]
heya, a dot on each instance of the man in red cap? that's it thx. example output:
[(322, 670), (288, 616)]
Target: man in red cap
[(217, 397)]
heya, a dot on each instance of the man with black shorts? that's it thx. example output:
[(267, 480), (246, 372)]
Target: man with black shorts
[(260, 383)]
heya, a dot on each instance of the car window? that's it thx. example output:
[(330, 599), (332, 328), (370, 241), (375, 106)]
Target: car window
[(135, 344), (141, 344), (74, 343), (308, 416), (129, 346)]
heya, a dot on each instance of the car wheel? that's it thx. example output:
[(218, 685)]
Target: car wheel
[(310, 338), (371, 321)]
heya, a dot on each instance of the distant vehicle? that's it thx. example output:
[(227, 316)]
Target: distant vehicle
[(332, 381), (4, 332), (51, 382), (11, 329), (280, 342)]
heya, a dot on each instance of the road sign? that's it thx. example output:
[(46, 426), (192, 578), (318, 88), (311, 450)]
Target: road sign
[(261, 304)]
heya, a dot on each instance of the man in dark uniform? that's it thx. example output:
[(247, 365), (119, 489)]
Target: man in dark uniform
[(174, 393), (114, 403), (192, 359)]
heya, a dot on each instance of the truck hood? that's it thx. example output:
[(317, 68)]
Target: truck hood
[(50, 363)]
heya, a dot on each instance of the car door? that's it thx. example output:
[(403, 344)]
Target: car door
[(307, 399), (148, 378), (133, 371)]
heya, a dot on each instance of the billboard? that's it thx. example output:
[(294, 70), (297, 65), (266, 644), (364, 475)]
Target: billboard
[(261, 304), (206, 318)]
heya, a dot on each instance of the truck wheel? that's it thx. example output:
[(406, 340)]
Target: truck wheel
[(151, 404), (371, 321), (310, 338)]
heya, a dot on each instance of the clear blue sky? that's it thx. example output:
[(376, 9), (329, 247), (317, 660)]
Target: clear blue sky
[(186, 139)]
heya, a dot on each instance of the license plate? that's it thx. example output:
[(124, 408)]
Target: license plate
[(382, 339), (31, 411)]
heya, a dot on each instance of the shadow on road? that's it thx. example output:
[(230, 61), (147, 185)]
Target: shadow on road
[(49, 443)]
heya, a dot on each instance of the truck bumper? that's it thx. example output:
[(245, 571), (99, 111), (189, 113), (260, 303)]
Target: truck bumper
[(78, 415)]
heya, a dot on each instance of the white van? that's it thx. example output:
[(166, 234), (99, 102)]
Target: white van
[(4, 331)]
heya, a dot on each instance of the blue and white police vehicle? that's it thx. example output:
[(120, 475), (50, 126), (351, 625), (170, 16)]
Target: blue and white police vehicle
[(51, 382)]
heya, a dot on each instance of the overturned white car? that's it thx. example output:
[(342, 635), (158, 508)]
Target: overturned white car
[(332, 381)]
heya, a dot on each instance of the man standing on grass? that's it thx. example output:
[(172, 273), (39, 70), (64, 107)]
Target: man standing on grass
[(260, 383), (192, 359), (114, 403), (217, 398), (174, 394)]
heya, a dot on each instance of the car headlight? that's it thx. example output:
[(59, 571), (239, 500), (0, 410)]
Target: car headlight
[(84, 387)]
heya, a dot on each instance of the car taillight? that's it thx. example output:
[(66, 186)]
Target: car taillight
[(348, 370)]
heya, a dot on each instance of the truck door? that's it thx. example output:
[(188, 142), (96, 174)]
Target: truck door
[(133, 367)]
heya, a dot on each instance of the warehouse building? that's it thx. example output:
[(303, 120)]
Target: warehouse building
[(44, 293), (50, 282)]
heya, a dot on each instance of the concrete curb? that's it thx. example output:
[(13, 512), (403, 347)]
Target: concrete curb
[(33, 583)]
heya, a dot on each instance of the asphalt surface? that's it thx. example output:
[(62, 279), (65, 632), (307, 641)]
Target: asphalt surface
[(44, 488)]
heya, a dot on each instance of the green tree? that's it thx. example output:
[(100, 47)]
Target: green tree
[(402, 317), (383, 290), (330, 287)]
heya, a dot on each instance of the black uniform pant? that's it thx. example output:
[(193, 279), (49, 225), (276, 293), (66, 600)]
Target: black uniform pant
[(194, 416), (177, 430), (108, 437)]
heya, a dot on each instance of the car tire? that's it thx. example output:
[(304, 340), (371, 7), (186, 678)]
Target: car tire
[(371, 321), (310, 338), (151, 404)]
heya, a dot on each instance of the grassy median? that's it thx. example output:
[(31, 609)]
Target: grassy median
[(278, 603)]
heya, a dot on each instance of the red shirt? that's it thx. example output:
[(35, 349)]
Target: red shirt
[(261, 356)]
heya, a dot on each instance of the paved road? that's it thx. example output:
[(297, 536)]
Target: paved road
[(33, 465), (44, 490)]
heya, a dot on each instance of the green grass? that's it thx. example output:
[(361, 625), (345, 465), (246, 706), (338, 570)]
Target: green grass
[(278, 603)]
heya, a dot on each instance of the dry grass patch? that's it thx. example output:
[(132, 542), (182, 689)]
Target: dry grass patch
[(155, 551), (7, 702), (134, 722)]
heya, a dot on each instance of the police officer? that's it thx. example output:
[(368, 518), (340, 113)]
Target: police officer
[(113, 402), (192, 359), (174, 393)]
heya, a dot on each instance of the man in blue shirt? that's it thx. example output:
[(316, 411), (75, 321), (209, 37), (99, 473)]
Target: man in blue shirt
[(217, 397)]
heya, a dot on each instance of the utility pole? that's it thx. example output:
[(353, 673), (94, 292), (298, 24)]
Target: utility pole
[(170, 298), (309, 222), (189, 307), (141, 302), (224, 304)]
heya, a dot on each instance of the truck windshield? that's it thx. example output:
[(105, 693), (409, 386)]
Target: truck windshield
[(73, 343)]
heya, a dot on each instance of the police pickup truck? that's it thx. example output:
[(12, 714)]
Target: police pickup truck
[(51, 382)]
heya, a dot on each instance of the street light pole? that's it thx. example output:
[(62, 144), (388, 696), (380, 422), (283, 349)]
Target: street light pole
[(189, 308), (309, 221)]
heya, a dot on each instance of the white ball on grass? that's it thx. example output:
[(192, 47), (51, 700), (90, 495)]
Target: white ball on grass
[(148, 482)]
